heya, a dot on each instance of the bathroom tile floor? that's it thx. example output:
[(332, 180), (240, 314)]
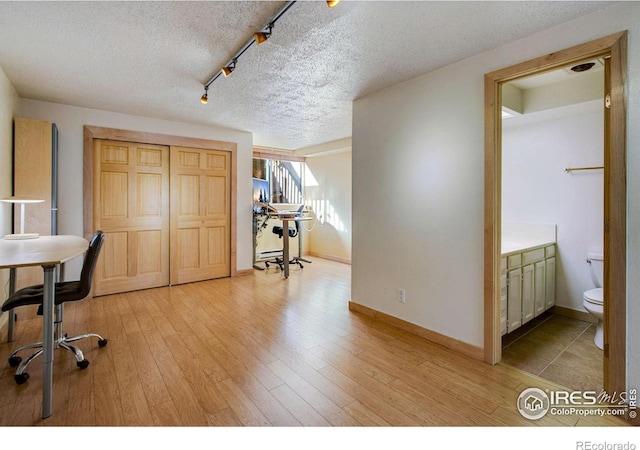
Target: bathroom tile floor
[(557, 348)]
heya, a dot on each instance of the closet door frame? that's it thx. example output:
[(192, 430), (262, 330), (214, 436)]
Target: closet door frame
[(90, 133)]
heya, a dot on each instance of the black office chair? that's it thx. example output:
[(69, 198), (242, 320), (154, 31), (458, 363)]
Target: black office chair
[(293, 232), (67, 291)]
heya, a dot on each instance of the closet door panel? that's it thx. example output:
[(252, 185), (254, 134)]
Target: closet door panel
[(201, 214), (131, 205)]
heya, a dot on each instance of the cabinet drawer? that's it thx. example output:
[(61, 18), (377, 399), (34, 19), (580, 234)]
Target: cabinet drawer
[(550, 251), (514, 261), (532, 256), (503, 265)]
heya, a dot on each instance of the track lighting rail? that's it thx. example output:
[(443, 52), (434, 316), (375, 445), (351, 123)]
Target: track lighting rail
[(258, 38)]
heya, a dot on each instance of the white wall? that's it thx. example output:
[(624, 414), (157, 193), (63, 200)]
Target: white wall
[(536, 148), (8, 102), (418, 161), (328, 191), (70, 121)]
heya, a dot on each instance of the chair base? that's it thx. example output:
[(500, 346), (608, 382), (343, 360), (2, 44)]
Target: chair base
[(280, 263), (61, 342)]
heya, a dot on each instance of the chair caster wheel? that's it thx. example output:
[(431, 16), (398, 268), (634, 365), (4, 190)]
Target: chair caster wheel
[(83, 364), (15, 361), (20, 379), (102, 342)]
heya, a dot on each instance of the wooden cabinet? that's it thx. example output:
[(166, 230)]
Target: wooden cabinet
[(530, 286), (34, 157)]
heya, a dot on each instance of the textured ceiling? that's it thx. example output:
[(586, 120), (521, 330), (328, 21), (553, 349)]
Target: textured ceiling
[(294, 91)]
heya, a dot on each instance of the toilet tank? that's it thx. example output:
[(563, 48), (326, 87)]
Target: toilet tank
[(596, 268)]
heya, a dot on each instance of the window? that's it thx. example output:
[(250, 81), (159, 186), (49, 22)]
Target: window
[(278, 180)]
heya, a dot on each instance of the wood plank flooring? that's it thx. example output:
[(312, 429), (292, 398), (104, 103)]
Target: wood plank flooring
[(260, 351)]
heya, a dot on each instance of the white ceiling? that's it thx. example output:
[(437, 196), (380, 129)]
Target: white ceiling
[(294, 91), (557, 76)]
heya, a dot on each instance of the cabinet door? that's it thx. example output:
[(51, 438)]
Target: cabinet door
[(528, 289), (540, 288), (503, 304), (550, 283), (514, 300)]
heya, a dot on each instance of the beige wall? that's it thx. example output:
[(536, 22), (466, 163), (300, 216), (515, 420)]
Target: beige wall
[(328, 191), (419, 226), (70, 121)]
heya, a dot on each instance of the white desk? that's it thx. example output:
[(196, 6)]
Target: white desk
[(286, 218), (48, 252)]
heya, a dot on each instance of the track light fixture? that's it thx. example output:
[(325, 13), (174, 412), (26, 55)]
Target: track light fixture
[(262, 36), (257, 38), (226, 70), (205, 97)]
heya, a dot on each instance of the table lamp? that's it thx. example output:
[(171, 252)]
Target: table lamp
[(22, 201)]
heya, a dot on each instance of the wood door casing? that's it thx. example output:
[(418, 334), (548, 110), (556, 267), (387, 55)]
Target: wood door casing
[(200, 221), (615, 47), (131, 205)]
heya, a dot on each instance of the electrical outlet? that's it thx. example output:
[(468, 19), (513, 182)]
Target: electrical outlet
[(401, 295)]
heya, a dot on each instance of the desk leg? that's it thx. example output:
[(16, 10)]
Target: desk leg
[(47, 340), (12, 314), (285, 246)]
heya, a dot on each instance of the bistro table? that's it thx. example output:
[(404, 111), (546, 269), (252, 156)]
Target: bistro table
[(48, 252)]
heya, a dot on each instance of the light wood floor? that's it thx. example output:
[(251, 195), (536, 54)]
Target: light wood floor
[(260, 350)]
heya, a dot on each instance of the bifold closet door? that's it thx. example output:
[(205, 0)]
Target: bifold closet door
[(131, 205), (200, 214)]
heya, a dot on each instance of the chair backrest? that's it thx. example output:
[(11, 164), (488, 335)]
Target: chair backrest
[(89, 264)]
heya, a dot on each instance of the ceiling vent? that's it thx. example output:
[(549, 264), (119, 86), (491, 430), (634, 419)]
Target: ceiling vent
[(585, 66)]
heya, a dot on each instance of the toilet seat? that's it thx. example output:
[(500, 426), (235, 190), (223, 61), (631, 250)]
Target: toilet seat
[(594, 296)]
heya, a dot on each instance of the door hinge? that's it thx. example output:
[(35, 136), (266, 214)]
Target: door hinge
[(607, 101)]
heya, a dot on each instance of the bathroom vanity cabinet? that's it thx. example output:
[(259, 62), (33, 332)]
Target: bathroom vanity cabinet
[(527, 284)]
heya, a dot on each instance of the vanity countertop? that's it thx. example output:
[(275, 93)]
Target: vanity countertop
[(511, 247), (521, 237)]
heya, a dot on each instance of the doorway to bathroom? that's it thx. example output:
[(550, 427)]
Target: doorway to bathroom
[(552, 197), (612, 49)]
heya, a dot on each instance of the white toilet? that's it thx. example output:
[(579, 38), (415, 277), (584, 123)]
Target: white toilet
[(593, 298)]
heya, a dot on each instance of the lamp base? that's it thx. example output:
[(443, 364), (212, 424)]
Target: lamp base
[(16, 237)]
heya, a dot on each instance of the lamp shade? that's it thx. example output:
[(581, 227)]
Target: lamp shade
[(260, 37), (226, 71)]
